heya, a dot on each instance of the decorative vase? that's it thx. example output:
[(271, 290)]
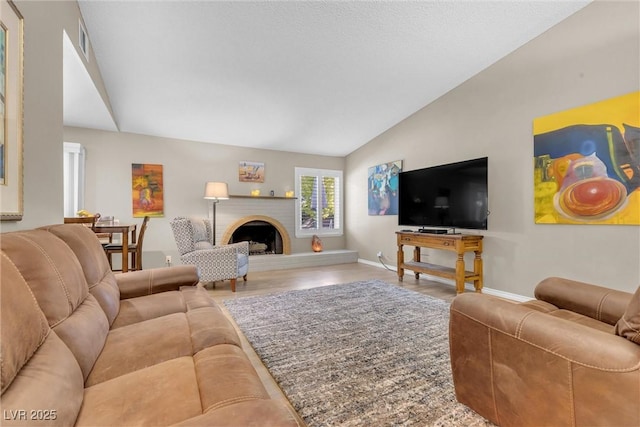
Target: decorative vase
[(316, 244)]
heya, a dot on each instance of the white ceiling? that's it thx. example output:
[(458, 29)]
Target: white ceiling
[(320, 77)]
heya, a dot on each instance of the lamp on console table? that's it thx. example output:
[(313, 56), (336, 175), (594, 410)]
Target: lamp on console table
[(215, 191)]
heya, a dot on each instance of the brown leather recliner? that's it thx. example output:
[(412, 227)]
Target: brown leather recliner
[(569, 358)]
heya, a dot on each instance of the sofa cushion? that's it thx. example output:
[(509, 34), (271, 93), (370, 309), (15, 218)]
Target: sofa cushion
[(157, 340), (583, 320), (176, 390), (161, 394), (23, 330), (147, 307), (629, 324), (95, 266), (57, 281), (134, 310), (50, 269), (38, 373), (143, 344)]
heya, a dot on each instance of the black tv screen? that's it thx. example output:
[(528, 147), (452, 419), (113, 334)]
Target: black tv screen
[(454, 195)]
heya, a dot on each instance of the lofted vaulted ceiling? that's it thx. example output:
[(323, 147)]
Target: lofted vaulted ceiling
[(320, 77)]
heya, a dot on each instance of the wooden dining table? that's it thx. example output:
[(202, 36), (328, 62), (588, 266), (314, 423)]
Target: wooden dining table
[(125, 230)]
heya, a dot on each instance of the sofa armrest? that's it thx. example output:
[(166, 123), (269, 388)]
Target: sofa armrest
[(146, 282), (218, 263), (600, 303), (517, 366)]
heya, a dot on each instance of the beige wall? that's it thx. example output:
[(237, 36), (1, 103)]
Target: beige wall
[(44, 22), (589, 57), (187, 165), (593, 55)]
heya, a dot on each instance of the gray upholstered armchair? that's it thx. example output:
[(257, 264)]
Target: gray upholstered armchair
[(220, 262)]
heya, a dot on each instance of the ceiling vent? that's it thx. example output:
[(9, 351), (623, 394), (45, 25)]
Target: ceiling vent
[(83, 40)]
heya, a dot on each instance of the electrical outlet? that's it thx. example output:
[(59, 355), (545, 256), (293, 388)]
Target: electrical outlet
[(379, 254), (167, 260)]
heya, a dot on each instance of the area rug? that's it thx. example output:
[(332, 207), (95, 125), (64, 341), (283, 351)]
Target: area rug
[(358, 354)]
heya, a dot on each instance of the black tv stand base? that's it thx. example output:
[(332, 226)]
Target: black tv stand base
[(432, 231)]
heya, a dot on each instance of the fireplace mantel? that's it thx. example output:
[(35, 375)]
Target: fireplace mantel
[(237, 196)]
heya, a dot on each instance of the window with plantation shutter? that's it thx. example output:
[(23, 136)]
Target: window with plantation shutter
[(319, 204)]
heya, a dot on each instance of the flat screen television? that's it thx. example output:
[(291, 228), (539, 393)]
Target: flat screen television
[(447, 196)]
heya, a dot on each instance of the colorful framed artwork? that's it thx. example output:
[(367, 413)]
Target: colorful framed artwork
[(382, 188), (251, 172), (587, 164), (11, 113), (147, 190)]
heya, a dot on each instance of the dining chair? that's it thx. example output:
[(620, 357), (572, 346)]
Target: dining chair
[(135, 249)]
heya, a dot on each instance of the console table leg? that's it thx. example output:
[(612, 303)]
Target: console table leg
[(477, 269), (400, 262), (460, 273)]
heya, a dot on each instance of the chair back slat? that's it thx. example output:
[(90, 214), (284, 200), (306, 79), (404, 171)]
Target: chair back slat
[(90, 221), (139, 241)]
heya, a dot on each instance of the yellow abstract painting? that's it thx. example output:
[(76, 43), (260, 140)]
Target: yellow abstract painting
[(587, 164)]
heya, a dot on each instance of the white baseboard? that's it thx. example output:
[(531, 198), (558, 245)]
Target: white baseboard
[(468, 286)]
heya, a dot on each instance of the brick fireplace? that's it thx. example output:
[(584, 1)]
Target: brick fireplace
[(244, 212)]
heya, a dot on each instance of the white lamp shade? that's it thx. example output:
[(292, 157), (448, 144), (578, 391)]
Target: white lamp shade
[(216, 191)]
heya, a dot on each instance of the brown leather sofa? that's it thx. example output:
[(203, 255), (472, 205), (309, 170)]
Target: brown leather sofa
[(82, 346), (569, 358)]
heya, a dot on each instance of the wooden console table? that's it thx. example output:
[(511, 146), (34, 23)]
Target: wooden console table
[(458, 243)]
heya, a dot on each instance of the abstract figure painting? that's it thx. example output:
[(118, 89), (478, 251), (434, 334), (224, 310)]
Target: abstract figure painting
[(147, 190), (383, 188), (587, 164), (11, 112)]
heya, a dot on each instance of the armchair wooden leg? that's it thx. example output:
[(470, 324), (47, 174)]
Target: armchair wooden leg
[(233, 285), (245, 277)]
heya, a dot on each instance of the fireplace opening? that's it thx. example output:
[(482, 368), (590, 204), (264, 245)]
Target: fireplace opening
[(262, 236)]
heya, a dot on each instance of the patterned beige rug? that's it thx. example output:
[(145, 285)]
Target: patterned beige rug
[(357, 354)]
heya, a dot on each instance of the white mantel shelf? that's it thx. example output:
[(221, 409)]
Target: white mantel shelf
[(238, 196)]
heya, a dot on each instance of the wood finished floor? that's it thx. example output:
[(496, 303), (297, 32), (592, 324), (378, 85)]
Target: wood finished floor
[(266, 282)]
